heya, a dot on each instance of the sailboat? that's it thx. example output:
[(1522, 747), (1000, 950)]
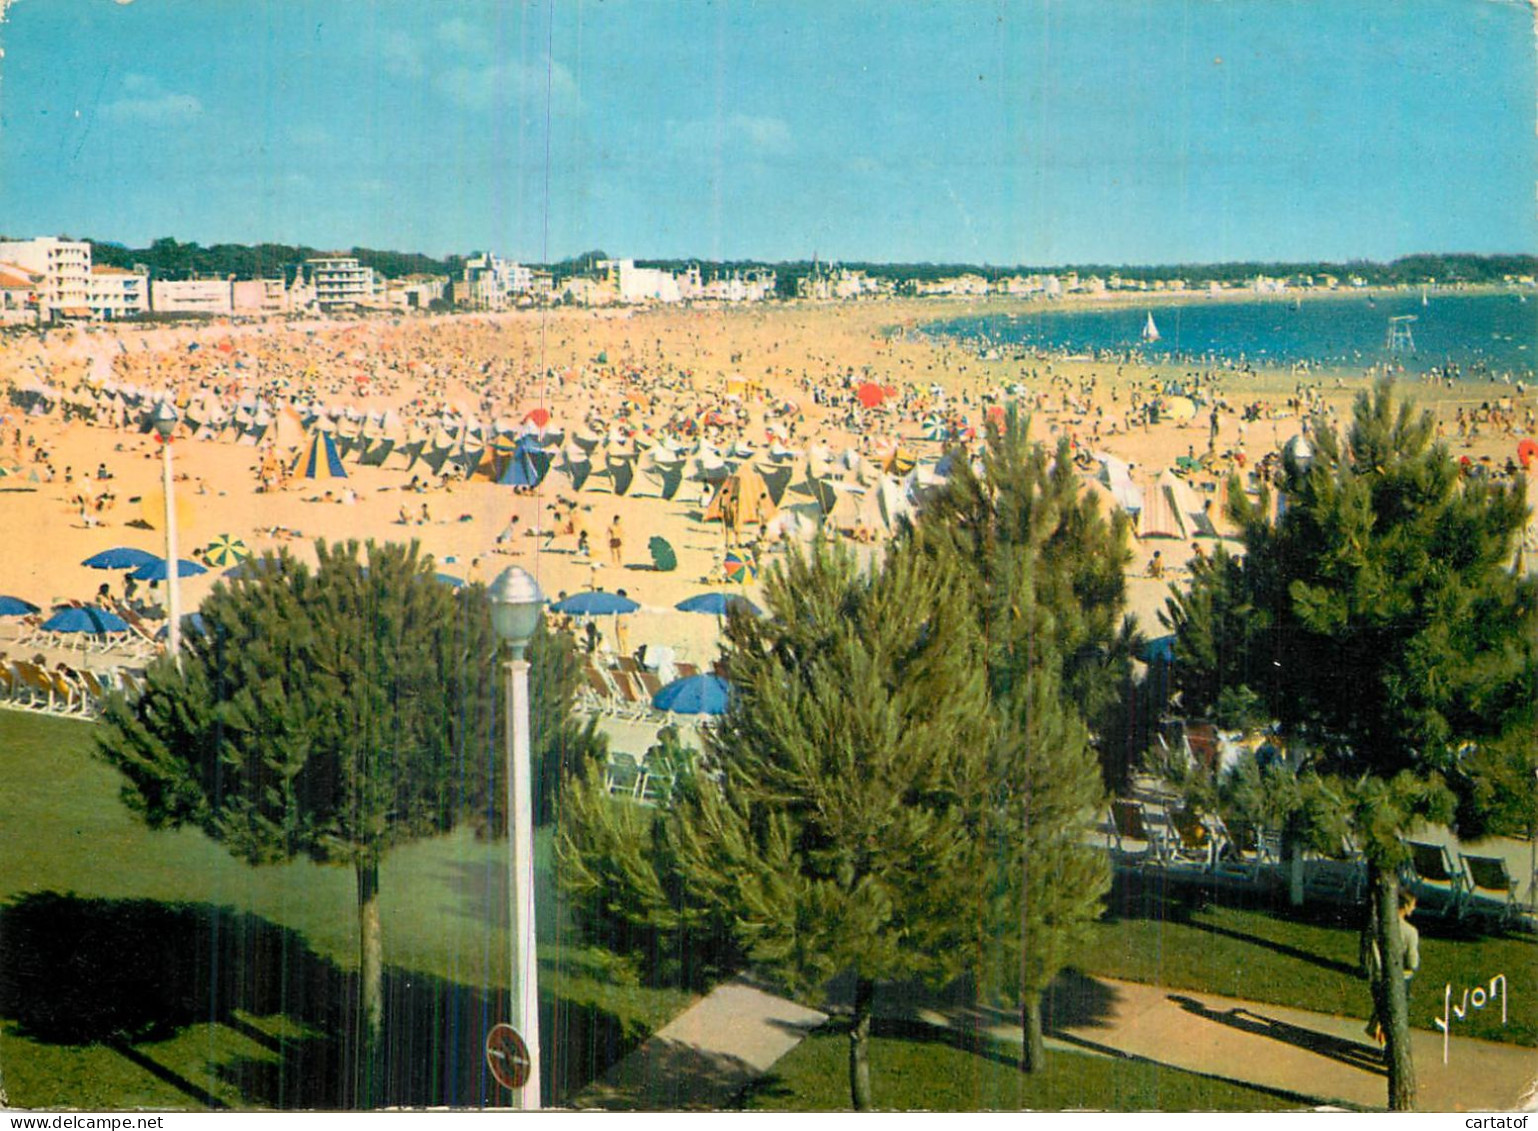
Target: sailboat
[(1150, 331)]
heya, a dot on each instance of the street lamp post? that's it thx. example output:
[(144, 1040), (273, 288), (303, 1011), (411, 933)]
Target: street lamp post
[(164, 419), (515, 606)]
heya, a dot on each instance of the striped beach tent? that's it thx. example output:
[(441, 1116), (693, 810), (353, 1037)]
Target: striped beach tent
[(320, 460)]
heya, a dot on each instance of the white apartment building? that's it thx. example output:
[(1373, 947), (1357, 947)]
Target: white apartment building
[(634, 284), (416, 292), (259, 296), (118, 293), (65, 267), (337, 282), (493, 283), (193, 296)]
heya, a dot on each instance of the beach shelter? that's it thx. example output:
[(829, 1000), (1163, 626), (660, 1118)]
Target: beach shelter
[(621, 471), (742, 499), (578, 469), (776, 478), (668, 474), (527, 466), (1180, 408), (319, 460), (664, 559), (1159, 516)]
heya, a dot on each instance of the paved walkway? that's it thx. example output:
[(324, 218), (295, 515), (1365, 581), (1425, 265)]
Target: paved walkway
[(704, 1058)]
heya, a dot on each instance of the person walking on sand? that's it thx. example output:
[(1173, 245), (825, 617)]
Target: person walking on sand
[(616, 541)]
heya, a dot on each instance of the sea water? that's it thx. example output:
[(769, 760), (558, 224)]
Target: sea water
[(1478, 336)]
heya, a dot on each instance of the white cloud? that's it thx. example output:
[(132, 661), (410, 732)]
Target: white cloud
[(494, 86), (459, 35), (144, 100), (401, 56), (748, 136)]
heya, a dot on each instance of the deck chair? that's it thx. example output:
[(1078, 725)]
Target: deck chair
[(595, 694), (1337, 874), (632, 702), (37, 689), (69, 691), (1492, 889), (1132, 834), (1190, 841), (1431, 870), (623, 775), (1244, 850)]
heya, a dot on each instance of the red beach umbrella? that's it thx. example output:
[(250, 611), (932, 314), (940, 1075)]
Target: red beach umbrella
[(870, 394), (539, 417), (1527, 450)]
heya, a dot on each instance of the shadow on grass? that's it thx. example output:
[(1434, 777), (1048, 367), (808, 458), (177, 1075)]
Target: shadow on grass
[(127, 974)]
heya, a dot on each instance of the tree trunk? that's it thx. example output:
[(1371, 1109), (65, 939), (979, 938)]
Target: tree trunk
[(859, 1044), (1033, 1050), (370, 985), (1389, 994)]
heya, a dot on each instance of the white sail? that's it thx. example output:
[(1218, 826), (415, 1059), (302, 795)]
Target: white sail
[(1150, 331)]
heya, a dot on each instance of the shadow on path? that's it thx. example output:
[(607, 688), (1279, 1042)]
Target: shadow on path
[(1348, 1052)]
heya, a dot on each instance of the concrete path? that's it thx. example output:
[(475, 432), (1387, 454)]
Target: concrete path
[(706, 1055), (703, 1059)]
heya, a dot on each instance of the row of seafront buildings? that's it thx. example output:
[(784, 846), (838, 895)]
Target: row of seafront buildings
[(49, 280)]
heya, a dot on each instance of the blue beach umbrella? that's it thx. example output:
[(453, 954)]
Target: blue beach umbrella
[(119, 557), (595, 603), (86, 618), (693, 695), (718, 604), (155, 570), (450, 580), (15, 607)]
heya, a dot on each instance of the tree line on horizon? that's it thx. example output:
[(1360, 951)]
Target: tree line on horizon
[(168, 258)]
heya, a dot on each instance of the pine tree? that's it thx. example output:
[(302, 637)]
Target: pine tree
[(1391, 642), (332, 713), (836, 841), (1043, 578)]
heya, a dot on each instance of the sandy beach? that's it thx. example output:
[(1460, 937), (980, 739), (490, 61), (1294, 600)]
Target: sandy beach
[(749, 384)]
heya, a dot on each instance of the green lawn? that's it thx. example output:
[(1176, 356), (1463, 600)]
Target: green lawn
[(908, 1075), (1271, 953), (229, 985)]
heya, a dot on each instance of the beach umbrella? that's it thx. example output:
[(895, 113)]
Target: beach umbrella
[(870, 394), (739, 567), (718, 604), (450, 580), (226, 550), (1160, 649), (120, 557), (595, 603), (85, 618), (694, 695), (16, 607), (663, 555), (156, 570), (1526, 451)]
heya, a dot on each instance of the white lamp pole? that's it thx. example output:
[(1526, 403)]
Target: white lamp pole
[(515, 606), (164, 419)]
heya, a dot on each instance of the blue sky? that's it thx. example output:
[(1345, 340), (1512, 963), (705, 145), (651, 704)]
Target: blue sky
[(987, 131)]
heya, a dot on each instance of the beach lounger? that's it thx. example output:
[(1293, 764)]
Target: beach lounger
[(632, 702), (1432, 873), (1339, 875), (1133, 835), (1191, 840), (1492, 888), (37, 689), (1244, 851), (623, 775)]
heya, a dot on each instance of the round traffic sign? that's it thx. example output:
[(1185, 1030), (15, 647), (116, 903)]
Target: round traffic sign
[(507, 1056)]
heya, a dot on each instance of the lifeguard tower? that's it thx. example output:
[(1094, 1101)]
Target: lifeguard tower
[(1400, 339)]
